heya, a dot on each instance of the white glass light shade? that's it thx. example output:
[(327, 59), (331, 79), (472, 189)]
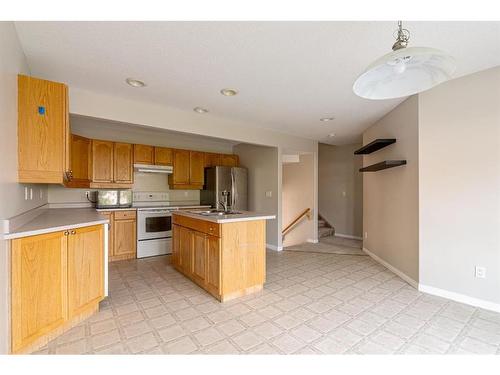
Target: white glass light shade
[(404, 72)]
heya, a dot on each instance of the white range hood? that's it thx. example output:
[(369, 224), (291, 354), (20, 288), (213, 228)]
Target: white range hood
[(146, 168)]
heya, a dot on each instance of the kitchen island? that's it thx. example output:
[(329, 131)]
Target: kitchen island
[(225, 254)]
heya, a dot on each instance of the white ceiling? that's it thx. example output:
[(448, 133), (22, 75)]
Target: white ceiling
[(289, 74)]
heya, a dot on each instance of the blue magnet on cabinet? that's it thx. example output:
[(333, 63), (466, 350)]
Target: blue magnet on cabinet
[(41, 110)]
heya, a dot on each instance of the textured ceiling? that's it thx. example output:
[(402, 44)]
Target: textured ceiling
[(289, 74)]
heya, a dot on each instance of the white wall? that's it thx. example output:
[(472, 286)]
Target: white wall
[(12, 62), (263, 175), (297, 195), (459, 158), (390, 197), (340, 188)]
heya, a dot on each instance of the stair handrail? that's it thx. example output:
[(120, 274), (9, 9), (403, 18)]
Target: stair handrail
[(289, 227)]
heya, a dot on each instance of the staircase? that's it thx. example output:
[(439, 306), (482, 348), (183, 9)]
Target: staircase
[(324, 228)]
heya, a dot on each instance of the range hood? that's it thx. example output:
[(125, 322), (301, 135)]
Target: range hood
[(146, 168)]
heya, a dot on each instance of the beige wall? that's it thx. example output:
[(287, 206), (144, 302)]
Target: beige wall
[(340, 188), (297, 195), (12, 62), (263, 175), (390, 197), (459, 143)]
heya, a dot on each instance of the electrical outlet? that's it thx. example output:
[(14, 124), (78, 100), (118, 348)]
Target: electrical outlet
[(25, 193), (269, 194), (31, 194), (480, 272), (366, 234)]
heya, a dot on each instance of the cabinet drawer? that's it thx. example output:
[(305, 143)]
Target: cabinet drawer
[(123, 215), (198, 225)]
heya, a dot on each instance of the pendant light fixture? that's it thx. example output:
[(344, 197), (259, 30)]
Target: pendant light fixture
[(404, 71)]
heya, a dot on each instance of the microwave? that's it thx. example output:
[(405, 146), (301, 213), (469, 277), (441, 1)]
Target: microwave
[(114, 199)]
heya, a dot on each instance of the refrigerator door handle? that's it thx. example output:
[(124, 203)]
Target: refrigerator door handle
[(233, 190)]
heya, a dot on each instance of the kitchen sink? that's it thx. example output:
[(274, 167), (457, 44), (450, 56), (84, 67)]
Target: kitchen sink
[(215, 213)]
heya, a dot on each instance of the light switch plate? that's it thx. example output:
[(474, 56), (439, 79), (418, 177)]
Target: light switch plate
[(269, 194)]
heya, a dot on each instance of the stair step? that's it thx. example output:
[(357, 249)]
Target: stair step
[(325, 232)]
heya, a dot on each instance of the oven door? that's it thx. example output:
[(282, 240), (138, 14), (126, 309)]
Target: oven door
[(154, 224)]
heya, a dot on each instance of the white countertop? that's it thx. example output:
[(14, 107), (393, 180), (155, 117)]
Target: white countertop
[(57, 219), (178, 207), (244, 216)]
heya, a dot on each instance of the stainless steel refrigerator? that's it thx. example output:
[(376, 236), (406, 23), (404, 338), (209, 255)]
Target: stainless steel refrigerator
[(231, 180)]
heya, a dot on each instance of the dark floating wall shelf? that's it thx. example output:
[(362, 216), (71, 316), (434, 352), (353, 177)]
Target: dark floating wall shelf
[(376, 145), (383, 165)]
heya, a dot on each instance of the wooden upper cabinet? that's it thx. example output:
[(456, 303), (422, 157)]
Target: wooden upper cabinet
[(43, 131), (227, 160), (39, 292), (81, 162), (181, 167), (102, 161), (196, 167), (163, 156), (85, 268), (143, 154), (212, 159), (123, 168)]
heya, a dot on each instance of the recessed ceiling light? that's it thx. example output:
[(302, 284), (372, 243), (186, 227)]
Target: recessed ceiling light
[(229, 92), (331, 135), (200, 110), (135, 82), (325, 119)]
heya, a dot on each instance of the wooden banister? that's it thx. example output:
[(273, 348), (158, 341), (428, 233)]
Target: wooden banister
[(288, 228)]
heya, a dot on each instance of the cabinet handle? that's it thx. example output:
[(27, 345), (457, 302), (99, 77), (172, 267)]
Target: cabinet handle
[(73, 232), (66, 233)]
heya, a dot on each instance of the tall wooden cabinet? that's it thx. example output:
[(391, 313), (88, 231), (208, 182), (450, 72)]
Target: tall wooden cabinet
[(55, 278), (43, 131)]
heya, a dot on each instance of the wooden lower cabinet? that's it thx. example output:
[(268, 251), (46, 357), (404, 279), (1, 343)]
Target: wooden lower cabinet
[(122, 237), (56, 279), (227, 260), (85, 269)]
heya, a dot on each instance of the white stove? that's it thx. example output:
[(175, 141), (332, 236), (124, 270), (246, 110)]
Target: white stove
[(154, 223)]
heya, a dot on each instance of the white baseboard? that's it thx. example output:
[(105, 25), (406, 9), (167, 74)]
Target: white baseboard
[(401, 274), (310, 240), (273, 247), (458, 297), (348, 236)]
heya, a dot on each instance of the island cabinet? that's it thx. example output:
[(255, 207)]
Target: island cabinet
[(227, 260), (42, 131), (57, 279)]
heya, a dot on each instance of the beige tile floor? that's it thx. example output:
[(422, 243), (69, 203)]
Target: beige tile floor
[(312, 303)]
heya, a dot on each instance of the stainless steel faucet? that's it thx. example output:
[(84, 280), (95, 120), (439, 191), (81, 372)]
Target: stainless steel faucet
[(224, 202)]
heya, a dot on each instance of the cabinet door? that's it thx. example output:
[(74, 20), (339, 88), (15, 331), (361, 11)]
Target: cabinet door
[(123, 169), (143, 154), (199, 256), (186, 248), (43, 131), (38, 287), (175, 245), (196, 167), (124, 238), (102, 161), (81, 159), (212, 160), (181, 167), (163, 156), (85, 268), (213, 264), (227, 160)]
